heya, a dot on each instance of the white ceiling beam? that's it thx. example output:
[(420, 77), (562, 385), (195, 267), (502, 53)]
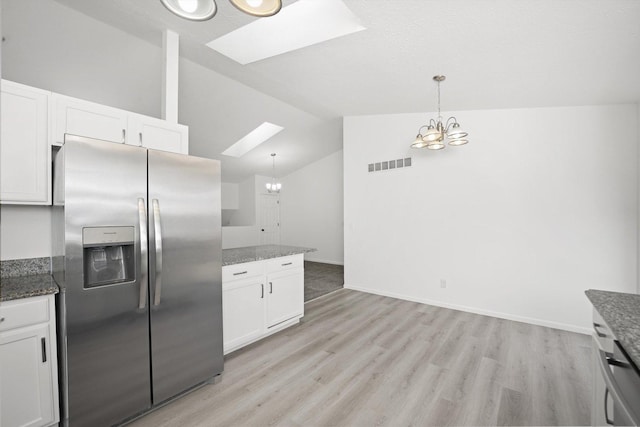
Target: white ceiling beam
[(170, 61)]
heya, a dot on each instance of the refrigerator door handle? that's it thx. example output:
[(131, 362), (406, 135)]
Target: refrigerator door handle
[(157, 226), (144, 266)]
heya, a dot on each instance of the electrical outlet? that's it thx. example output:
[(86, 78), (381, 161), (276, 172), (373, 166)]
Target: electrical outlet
[(443, 283)]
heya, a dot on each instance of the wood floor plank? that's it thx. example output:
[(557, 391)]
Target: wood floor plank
[(359, 359), (512, 408)]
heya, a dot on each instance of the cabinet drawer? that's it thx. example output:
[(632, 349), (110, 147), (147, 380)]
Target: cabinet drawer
[(242, 271), (24, 312), (285, 263)]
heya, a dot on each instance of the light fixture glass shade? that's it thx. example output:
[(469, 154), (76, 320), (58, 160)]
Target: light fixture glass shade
[(258, 7), (273, 187), (431, 135), (457, 141), (435, 145), (194, 10), (419, 142), (456, 132)]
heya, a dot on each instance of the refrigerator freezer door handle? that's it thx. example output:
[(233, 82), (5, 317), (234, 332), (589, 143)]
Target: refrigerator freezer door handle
[(144, 266), (157, 226)]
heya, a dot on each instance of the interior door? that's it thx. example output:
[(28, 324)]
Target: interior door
[(269, 219), (185, 272), (107, 326)]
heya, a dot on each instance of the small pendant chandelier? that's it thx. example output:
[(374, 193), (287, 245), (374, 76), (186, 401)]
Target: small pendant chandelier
[(437, 132), (273, 186)]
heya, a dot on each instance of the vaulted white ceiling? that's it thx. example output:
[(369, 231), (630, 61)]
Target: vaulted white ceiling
[(495, 54)]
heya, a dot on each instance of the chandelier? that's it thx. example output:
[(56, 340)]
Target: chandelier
[(273, 186), (202, 10), (438, 132)]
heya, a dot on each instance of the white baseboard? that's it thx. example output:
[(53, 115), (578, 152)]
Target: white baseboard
[(507, 316)]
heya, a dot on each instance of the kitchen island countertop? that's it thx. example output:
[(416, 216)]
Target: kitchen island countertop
[(262, 252), (32, 285), (621, 312)]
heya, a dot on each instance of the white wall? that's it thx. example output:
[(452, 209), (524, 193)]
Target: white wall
[(244, 222), (230, 194), (239, 236), (55, 48), (25, 232), (539, 206), (311, 209), (246, 213)]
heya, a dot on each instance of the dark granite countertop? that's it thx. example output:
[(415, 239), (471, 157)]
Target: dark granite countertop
[(622, 313), (27, 286), (257, 253)]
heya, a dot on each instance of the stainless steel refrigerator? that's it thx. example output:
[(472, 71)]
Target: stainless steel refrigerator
[(137, 255)]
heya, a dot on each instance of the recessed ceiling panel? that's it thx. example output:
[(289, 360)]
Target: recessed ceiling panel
[(254, 138), (302, 24)]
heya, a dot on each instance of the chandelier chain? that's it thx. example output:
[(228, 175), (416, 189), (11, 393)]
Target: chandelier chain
[(439, 115)]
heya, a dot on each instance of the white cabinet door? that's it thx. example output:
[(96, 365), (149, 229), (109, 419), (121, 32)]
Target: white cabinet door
[(285, 296), (158, 134), (25, 152), (26, 388), (242, 312), (83, 118)]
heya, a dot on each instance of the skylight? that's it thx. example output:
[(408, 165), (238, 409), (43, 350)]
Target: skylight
[(301, 24), (254, 138)]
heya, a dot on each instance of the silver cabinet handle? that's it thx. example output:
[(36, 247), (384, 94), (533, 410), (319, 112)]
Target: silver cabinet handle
[(612, 386), (287, 263), (606, 408), (157, 226), (262, 290), (270, 287), (124, 136), (140, 139), (238, 274), (595, 328), (44, 349), (144, 248)]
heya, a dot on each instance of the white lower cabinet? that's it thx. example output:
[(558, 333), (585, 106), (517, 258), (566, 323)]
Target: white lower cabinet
[(286, 296), (28, 372), (243, 312), (260, 298)]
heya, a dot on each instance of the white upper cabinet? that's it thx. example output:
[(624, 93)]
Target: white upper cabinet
[(25, 152), (32, 120), (83, 118), (157, 134)]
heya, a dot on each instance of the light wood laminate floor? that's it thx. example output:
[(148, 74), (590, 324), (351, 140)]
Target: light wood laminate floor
[(366, 360)]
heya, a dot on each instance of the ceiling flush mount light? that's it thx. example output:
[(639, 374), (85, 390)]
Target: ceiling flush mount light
[(437, 132), (194, 10), (258, 7), (273, 186), (202, 10)]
